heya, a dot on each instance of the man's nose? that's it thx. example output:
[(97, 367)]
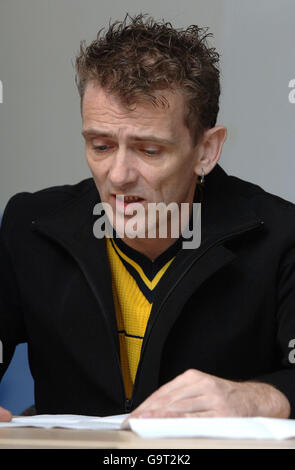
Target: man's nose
[(122, 171)]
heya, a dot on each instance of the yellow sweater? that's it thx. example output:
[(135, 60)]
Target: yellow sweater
[(134, 281)]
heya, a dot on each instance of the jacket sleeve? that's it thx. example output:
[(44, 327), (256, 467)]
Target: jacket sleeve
[(284, 378), (12, 329)]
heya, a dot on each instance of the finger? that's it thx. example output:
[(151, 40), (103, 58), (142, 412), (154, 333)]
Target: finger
[(187, 377), (182, 407), (192, 404), (178, 384), (160, 413), (168, 399), (5, 415), (125, 423)]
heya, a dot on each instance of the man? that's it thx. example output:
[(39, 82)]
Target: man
[(143, 325)]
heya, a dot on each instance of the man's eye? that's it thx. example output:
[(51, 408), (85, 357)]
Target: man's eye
[(150, 151), (100, 148)]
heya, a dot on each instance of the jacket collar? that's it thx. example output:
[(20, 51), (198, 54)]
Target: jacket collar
[(224, 211), (72, 227)]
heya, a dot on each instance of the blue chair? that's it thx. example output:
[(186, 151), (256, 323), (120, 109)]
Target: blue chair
[(17, 386)]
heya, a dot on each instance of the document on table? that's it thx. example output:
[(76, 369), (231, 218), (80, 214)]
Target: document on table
[(231, 428), (66, 421)]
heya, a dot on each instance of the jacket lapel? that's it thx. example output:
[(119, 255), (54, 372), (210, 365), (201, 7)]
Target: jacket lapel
[(72, 228)]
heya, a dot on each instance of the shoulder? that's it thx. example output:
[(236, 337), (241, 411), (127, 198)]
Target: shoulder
[(261, 199), (252, 194), (277, 213), (28, 206)]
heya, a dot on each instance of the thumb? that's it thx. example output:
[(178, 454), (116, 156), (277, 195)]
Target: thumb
[(5, 415)]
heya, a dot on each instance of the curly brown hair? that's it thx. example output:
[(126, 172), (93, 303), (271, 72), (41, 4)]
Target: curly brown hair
[(138, 56)]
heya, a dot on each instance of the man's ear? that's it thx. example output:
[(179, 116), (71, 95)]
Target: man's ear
[(208, 150)]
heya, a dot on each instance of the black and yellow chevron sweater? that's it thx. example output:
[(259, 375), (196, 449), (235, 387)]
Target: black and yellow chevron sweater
[(134, 281)]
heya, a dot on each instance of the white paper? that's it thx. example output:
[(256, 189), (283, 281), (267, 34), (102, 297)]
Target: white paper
[(232, 428), (67, 421)]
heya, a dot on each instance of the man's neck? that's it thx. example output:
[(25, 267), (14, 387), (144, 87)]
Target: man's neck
[(150, 247)]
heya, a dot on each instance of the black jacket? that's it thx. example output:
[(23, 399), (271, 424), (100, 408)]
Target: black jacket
[(226, 308)]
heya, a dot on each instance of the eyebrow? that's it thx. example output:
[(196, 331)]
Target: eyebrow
[(89, 132)]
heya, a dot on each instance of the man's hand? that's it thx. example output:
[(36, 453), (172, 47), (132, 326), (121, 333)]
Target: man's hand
[(5, 415), (195, 393)]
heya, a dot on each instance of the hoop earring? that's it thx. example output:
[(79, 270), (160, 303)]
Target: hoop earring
[(202, 179)]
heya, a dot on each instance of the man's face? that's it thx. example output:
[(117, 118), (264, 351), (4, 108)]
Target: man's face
[(147, 152)]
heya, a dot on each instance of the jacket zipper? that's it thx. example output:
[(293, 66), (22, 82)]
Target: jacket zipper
[(129, 402), (128, 405)]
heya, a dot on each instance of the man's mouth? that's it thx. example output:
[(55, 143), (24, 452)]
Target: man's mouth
[(127, 199)]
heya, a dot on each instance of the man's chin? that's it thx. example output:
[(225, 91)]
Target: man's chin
[(126, 228)]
